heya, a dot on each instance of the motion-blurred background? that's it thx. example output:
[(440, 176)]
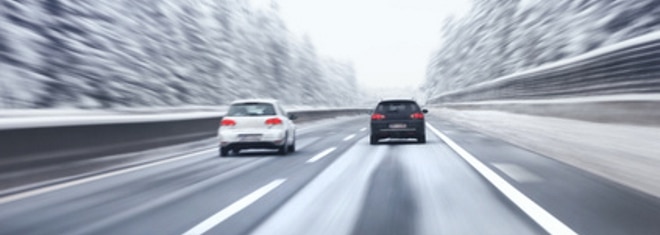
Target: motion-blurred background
[(110, 112), (102, 54)]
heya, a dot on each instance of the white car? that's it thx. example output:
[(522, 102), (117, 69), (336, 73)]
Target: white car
[(257, 124)]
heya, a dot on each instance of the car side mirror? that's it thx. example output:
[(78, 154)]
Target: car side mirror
[(293, 117), (425, 111)]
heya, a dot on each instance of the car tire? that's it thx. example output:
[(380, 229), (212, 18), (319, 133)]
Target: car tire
[(224, 152), (373, 140), (421, 139), (292, 147), (284, 149)]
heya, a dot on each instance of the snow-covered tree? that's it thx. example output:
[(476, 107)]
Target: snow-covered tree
[(498, 38), (141, 53)]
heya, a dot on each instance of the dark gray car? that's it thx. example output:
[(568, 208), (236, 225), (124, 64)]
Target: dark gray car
[(398, 118)]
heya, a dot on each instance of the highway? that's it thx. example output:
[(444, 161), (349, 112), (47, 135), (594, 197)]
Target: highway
[(459, 182)]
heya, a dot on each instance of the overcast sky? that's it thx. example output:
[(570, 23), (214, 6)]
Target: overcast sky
[(389, 41)]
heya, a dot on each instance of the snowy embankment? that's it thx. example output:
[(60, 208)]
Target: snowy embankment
[(624, 153), (31, 118), (58, 118), (634, 109)]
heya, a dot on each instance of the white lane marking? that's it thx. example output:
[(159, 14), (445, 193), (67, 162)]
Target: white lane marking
[(333, 201), (363, 129), (321, 155), (349, 137), (543, 218), (232, 209), (55, 187), (518, 173)]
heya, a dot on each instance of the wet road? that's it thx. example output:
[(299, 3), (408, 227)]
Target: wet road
[(459, 182)]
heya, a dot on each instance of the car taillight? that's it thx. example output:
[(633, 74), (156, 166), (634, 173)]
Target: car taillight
[(274, 121), (377, 116), (227, 122), (417, 116)]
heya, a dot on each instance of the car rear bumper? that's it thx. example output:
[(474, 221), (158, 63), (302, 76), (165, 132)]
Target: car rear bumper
[(253, 145), (383, 130), (269, 138)]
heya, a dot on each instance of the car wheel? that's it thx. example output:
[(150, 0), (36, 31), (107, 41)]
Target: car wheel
[(224, 152), (292, 147), (421, 139), (284, 149), (373, 140)]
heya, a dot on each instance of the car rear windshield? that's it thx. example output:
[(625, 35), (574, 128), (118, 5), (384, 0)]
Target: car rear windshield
[(251, 109), (397, 107)]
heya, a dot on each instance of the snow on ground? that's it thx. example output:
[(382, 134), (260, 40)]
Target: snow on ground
[(16, 119), (572, 100), (625, 154), (29, 113), (92, 118)]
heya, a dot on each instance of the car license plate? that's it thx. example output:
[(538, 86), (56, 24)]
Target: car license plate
[(398, 126), (249, 137)]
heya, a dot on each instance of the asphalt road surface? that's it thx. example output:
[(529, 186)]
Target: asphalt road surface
[(459, 182)]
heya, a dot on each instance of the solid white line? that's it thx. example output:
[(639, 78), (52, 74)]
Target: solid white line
[(349, 137), (232, 209), (547, 221), (363, 129), (51, 188), (321, 155)]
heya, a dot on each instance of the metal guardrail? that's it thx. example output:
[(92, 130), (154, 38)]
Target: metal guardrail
[(629, 67), (49, 144)]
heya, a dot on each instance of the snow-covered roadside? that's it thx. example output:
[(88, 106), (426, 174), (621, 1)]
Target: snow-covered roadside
[(16, 119), (625, 154)]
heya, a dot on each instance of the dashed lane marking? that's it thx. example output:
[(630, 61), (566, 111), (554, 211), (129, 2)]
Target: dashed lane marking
[(232, 209), (321, 155)]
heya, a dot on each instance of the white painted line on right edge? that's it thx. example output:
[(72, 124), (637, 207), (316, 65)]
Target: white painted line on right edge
[(543, 218), (232, 209), (321, 155)]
